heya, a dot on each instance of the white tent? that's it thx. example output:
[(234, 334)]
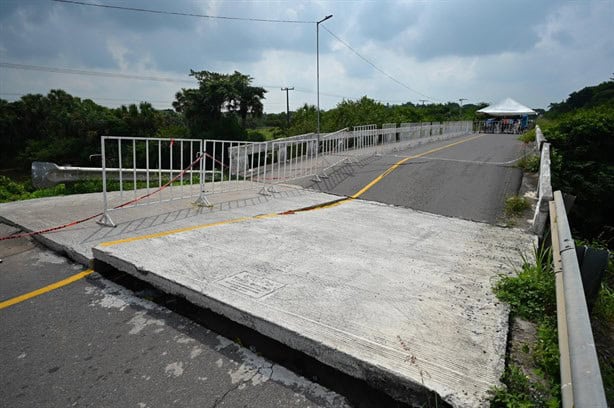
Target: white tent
[(507, 107)]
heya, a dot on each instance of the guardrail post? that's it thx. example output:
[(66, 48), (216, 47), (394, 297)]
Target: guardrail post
[(105, 219)]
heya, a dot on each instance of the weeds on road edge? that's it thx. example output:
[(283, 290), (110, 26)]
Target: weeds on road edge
[(531, 296), (529, 163), (515, 205)]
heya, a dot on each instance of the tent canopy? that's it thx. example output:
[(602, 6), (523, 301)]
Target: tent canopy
[(507, 107)]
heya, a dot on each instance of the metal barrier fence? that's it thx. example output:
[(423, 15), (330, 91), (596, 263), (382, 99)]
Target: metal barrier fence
[(366, 140), (138, 164), (156, 170)]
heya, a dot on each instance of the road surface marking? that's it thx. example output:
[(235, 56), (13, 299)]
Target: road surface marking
[(406, 159), (273, 215), (49, 288)]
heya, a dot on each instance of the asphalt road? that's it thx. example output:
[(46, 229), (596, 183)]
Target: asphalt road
[(469, 180), (95, 343)]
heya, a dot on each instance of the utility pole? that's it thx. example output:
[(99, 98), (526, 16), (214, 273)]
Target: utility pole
[(287, 105), (423, 100), (318, 67), (460, 107)]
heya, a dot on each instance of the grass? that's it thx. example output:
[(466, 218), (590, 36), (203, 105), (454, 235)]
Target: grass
[(515, 205), (528, 136), (603, 330), (521, 392), (11, 190), (529, 164), (531, 296)]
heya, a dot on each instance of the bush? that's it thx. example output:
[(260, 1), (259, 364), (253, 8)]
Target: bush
[(583, 165), (531, 294), (515, 205), (529, 164), (528, 136)]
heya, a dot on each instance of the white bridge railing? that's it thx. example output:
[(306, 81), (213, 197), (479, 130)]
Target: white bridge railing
[(146, 171)]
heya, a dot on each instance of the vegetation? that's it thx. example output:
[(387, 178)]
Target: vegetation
[(527, 137), (366, 111), (65, 129), (213, 110), (529, 163), (532, 296), (515, 205)]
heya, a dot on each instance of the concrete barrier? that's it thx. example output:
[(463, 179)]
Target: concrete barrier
[(544, 186)]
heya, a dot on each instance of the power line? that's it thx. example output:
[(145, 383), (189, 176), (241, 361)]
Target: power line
[(174, 13), (104, 74), (98, 98), (373, 65), (91, 73)]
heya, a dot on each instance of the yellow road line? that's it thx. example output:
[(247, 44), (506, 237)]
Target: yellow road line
[(49, 288), (178, 230), (272, 215), (406, 159)]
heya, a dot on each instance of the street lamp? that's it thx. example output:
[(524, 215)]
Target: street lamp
[(318, 67)]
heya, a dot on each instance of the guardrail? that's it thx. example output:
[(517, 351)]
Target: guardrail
[(581, 382), (544, 186)]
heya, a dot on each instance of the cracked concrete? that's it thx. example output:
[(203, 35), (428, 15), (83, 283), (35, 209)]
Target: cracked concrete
[(392, 277)]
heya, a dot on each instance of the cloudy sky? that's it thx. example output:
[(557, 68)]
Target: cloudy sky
[(535, 51)]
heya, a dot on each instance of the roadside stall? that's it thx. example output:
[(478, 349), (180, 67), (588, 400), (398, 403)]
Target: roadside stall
[(507, 116)]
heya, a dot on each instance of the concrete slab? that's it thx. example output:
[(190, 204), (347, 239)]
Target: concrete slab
[(77, 241), (399, 298)]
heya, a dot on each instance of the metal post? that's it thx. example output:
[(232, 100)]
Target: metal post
[(318, 69), (105, 219), (287, 105)]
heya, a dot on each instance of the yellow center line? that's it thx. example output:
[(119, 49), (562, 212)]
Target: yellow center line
[(49, 288), (404, 160), (272, 215)]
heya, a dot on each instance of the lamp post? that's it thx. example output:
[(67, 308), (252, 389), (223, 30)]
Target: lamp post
[(318, 67)]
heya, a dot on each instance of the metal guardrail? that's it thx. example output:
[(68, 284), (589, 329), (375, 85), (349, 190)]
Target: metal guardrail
[(581, 382)]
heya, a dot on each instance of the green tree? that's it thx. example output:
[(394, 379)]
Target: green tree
[(211, 111)]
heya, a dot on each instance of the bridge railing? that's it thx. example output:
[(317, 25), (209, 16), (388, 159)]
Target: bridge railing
[(581, 381), (544, 186)]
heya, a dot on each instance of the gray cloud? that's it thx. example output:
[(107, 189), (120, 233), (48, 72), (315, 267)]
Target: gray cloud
[(536, 51)]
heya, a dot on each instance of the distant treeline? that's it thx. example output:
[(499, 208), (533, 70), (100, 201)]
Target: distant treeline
[(62, 128)]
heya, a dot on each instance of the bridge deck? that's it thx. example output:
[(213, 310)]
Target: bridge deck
[(397, 297)]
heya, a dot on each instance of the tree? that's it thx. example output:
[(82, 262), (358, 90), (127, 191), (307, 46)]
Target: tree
[(211, 109)]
